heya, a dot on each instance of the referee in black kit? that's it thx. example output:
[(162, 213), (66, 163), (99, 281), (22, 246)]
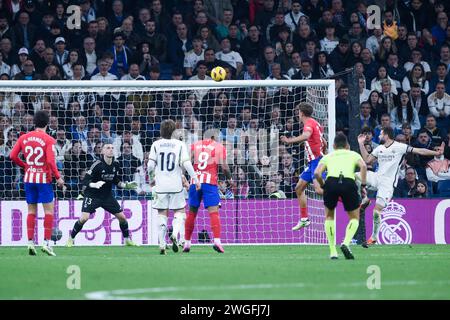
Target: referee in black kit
[(341, 165)]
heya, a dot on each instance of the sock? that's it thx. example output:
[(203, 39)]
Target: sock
[(189, 226), (215, 224), (330, 230), (48, 226), (217, 241), (182, 227), (352, 226), (376, 224), (303, 213), (177, 224), (162, 230), (31, 224), (124, 229), (76, 228)]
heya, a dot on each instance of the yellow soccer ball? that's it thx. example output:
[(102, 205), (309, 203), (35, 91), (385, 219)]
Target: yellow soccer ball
[(218, 74)]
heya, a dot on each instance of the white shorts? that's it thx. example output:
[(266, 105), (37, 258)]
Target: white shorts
[(384, 188), (171, 201)]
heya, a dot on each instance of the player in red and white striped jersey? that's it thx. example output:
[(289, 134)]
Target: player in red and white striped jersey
[(38, 149), (315, 146)]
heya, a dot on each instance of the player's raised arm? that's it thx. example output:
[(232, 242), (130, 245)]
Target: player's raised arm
[(303, 137), (427, 152), (14, 155), (368, 158)]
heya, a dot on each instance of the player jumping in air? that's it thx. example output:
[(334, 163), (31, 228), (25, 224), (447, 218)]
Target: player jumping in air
[(340, 183), (167, 157), (315, 146), (98, 193), (389, 155), (207, 155), (38, 149)]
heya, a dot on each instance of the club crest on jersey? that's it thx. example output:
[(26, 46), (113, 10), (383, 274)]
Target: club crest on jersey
[(394, 229)]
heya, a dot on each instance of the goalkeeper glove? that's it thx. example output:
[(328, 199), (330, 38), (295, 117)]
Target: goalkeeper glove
[(80, 197), (130, 185), (97, 185)]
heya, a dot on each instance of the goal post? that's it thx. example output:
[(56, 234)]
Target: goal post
[(248, 116)]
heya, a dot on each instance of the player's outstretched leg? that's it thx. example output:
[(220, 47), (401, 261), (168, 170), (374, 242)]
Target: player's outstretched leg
[(302, 200), (31, 224)]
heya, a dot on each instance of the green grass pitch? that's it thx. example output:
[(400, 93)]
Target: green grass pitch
[(243, 272)]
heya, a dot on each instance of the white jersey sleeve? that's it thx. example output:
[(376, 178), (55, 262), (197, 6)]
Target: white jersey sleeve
[(389, 161)]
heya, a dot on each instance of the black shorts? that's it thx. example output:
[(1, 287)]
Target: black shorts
[(108, 203), (347, 190)]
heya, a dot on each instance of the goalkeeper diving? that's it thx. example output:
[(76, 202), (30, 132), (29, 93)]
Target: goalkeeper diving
[(98, 182)]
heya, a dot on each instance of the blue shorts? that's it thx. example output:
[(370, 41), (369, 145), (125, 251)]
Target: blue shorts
[(209, 193), (38, 192), (308, 174)]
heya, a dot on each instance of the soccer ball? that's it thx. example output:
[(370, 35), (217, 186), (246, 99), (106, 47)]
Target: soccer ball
[(56, 234), (218, 74)]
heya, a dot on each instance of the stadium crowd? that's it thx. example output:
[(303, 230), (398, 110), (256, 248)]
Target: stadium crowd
[(402, 73)]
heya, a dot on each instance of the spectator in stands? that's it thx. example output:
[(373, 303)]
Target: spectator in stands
[(382, 75), (128, 161), (342, 109), (439, 104), (275, 26), (421, 190), (24, 31), (373, 42), (437, 135), (107, 135), (416, 76), (133, 73), (103, 67), (407, 131), (79, 131), (4, 68), (395, 71), (157, 42), (233, 58), (18, 66), (441, 75), (423, 141), (273, 192), (406, 187), (330, 41), (369, 132), (363, 92), (28, 72), (438, 169), (365, 118), (439, 30), (385, 122), (445, 55), (193, 57), (265, 66), (62, 146), (72, 59), (253, 45), (122, 55), (11, 135), (340, 55), (179, 45), (405, 113), (309, 52)]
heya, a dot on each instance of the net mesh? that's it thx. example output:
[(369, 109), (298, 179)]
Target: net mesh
[(261, 205)]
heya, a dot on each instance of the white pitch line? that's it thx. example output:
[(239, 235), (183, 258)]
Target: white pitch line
[(124, 294)]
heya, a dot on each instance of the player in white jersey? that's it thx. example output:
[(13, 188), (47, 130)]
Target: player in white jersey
[(167, 158), (389, 155)]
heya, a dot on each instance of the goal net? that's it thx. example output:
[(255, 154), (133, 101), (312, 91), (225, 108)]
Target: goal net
[(260, 207)]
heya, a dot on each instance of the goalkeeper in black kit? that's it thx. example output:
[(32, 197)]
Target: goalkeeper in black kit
[(98, 193)]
